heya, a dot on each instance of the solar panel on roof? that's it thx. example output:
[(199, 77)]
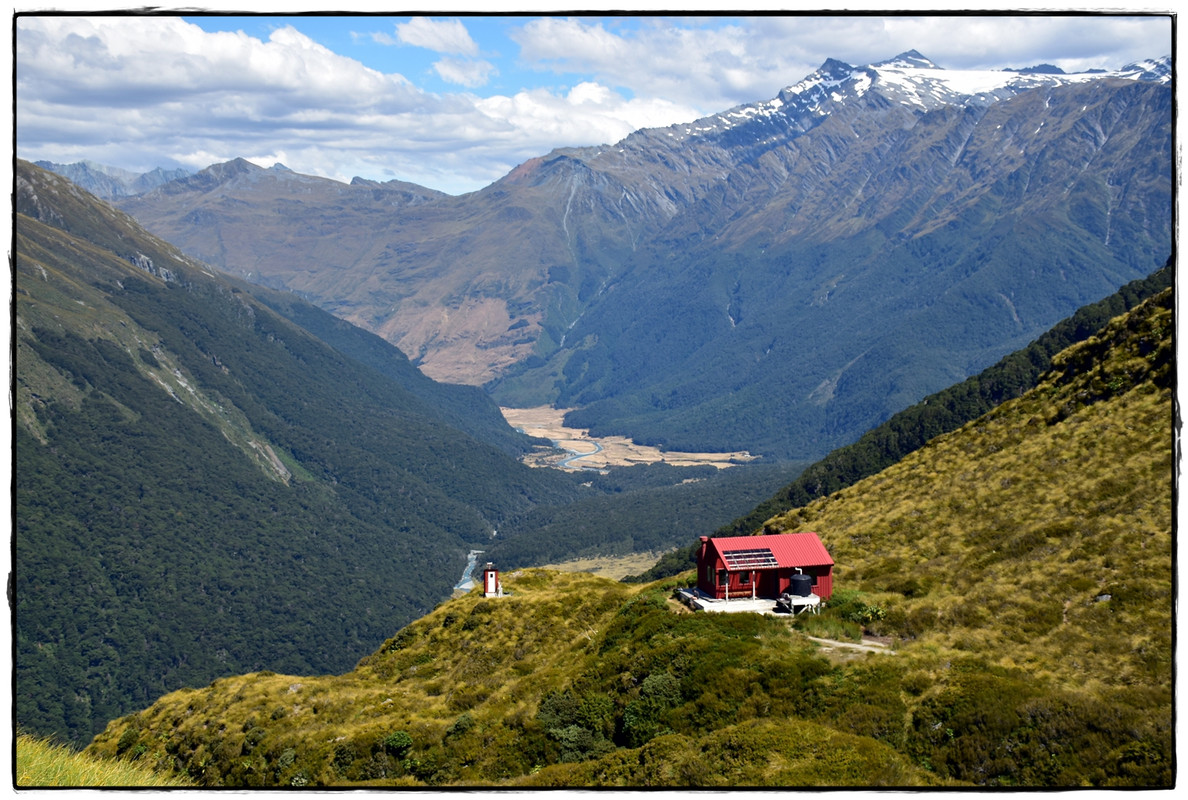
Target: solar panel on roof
[(754, 558)]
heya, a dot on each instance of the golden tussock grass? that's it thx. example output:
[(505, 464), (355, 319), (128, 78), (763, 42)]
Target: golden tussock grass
[(1033, 537), (43, 764)]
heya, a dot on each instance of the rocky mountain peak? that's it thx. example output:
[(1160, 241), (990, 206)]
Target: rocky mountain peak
[(1039, 69), (108, 182), (217, 174), (1157, 70), (912, 79), (911, 58)]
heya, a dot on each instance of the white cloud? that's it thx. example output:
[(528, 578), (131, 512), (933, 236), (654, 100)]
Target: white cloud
[(440, 36), (711, 65), (684, 64), (171, 94), (588, 114), (465, 72), (379, 37), (592, 94), (571, 43), (124, 61)]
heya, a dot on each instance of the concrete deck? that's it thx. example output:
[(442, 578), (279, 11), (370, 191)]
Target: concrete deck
[(737, 605)]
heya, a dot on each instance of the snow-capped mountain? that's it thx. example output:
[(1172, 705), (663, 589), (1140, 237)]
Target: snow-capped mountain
[(775, 278), (912, 80)]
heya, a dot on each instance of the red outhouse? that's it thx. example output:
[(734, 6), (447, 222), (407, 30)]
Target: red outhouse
[(763, 566), (491, 585)]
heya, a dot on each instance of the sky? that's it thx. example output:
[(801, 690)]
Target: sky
[(454, 102)]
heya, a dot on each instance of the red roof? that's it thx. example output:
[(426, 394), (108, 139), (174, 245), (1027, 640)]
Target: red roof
[(789, 549)]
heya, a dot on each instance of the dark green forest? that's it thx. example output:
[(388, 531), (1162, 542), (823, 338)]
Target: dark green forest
[(154, 547), (467, 408), (152, 554)]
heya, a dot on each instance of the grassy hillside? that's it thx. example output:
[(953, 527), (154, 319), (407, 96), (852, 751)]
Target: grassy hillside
[(1040, 531), (43, 764), (1020, 567), (568, 669)]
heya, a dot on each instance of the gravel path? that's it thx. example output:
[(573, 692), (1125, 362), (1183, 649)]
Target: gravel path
[(866, 645)]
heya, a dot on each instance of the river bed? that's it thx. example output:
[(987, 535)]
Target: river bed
[(583, 451), (467, 581)]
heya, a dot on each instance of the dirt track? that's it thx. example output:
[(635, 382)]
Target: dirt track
[(865, 645)]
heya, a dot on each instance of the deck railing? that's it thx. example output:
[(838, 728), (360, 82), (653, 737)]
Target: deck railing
[(744, 594)]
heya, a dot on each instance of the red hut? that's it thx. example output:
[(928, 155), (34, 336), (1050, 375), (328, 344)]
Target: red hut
[(763, 566)]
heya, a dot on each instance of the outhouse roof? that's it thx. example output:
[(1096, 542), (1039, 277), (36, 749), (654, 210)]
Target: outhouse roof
[(775, 550)]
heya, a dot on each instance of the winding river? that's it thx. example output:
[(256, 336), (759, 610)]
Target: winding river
[(567, 463), (467, 581)]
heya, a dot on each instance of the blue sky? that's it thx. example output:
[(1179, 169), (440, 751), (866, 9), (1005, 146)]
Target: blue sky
[(376, 42), (455, 102)]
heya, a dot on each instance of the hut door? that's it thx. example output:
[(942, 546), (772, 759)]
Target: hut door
[(769, 583)]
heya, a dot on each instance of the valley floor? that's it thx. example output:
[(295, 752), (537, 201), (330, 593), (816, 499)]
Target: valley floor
[(599, 452)]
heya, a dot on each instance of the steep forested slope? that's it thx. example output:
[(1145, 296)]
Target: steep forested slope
[(204, 488), (464, 407), (1021, 568)]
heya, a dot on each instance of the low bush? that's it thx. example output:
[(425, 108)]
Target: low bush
[(828, 626)]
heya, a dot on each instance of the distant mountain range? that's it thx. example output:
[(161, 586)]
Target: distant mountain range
[(109, 183), (777, 278)]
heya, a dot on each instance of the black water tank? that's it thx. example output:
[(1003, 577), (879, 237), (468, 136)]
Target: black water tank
[(802, 585)]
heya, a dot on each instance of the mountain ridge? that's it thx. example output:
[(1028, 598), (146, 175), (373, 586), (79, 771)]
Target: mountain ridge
[(109, 182), (843, 181), (970, 250)]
